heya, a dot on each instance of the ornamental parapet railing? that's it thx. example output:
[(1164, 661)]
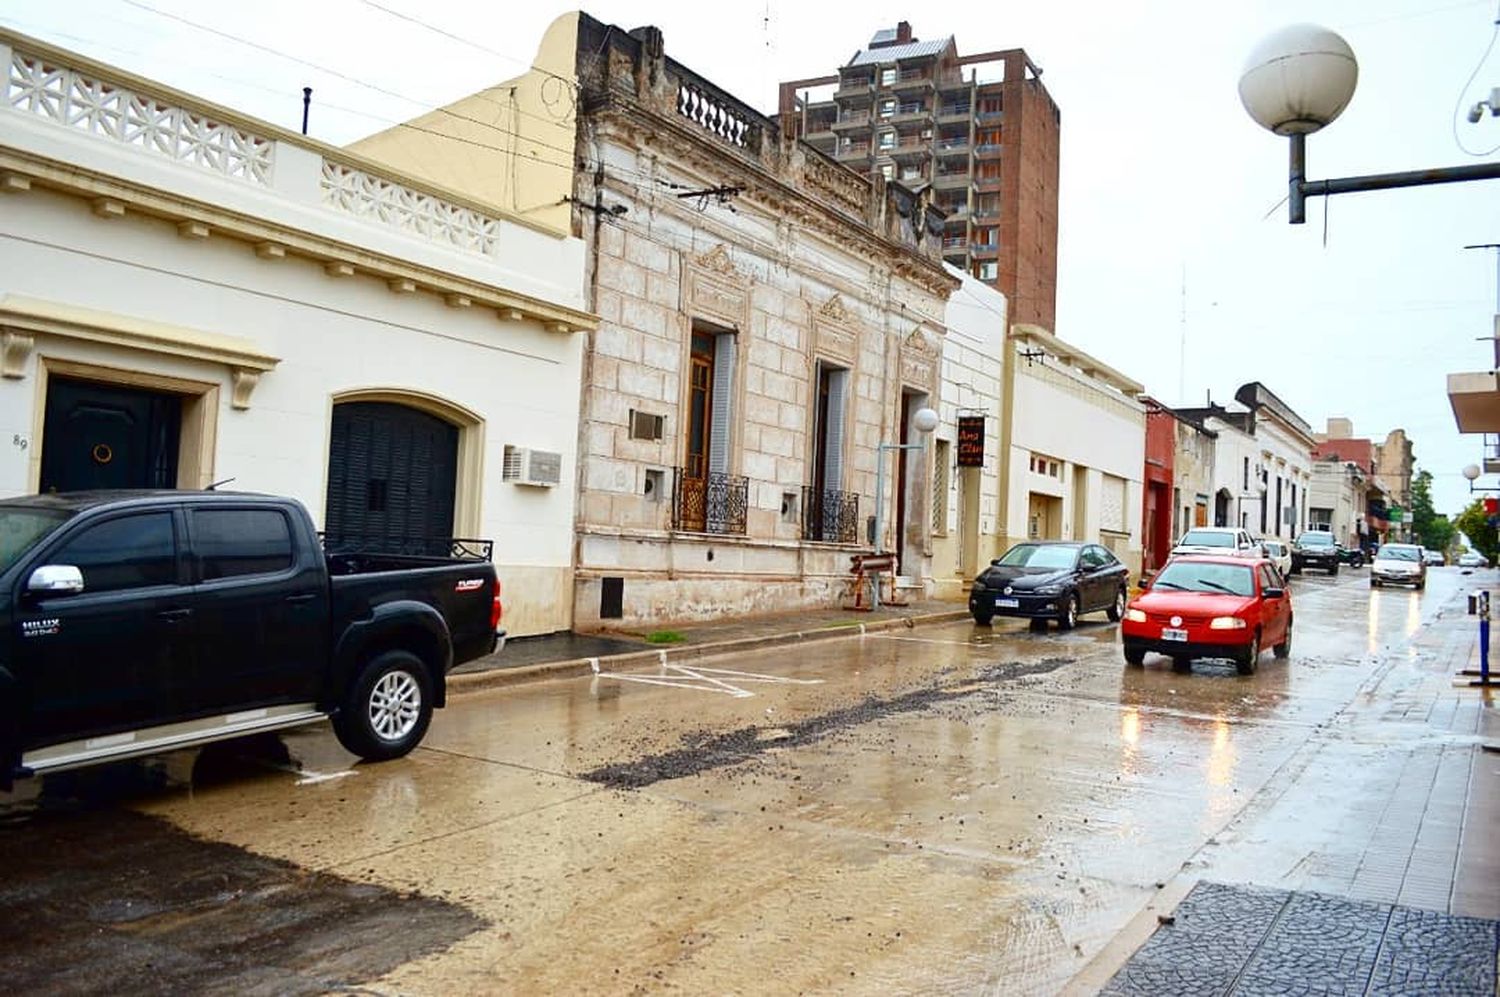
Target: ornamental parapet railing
[(85, 102), (714, 503), (830, 515)]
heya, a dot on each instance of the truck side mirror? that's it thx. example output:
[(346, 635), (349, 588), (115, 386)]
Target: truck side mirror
[(55, 579)]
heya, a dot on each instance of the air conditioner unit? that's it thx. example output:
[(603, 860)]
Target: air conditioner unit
[(525, 466)]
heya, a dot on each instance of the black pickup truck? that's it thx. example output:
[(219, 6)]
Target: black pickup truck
[(138, 622)]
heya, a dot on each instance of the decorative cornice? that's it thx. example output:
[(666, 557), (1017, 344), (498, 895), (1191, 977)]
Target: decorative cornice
[(275, 240), (716, 260), (22, 319), (635, 125)]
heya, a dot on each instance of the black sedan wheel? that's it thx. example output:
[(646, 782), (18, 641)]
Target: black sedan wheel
[(1068, 618), (983, 619), (1116, 610)]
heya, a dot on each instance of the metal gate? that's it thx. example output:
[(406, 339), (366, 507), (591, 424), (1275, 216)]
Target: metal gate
[(392, 479)]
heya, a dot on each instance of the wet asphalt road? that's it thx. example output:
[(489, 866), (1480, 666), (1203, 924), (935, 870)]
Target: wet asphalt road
[(940, 809)]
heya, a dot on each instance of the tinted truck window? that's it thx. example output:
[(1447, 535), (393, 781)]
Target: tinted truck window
[(234, 542), (125, 553)]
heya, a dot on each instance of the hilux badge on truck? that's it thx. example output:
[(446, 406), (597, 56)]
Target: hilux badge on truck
[(40, 628)]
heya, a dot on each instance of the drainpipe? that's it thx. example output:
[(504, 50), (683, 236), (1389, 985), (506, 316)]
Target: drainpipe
[(1007, 419)]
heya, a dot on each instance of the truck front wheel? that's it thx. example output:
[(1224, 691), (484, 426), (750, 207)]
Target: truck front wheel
[(388, 708)]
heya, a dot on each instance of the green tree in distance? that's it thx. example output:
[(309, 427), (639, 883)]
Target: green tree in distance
[(1433, 531), (1475, 525)]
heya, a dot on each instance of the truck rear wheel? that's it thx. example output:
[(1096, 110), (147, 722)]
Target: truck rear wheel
[(387, 710)]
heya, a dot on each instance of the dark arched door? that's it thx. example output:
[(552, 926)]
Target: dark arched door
[(392, 479)]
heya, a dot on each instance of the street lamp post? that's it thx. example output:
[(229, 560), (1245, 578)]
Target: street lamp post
[(1301, 78), (924, 421)]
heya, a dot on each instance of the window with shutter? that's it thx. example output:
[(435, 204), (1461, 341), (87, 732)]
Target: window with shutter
[(940, 488), (1112, 508), (392, 476), (833, 430), (720, 426)]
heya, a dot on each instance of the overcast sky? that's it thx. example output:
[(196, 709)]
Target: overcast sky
[(1163, 175)]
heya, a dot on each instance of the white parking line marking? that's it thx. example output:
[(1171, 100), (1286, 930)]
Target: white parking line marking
[(706, 679)]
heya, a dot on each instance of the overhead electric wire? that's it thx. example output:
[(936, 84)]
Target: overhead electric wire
[(426, 105), (1459, 103)]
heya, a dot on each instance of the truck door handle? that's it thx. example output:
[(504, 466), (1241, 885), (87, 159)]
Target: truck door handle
[(174, 615), (304, 597)]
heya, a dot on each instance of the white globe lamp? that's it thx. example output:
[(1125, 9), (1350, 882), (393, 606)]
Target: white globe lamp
[(924, 420), (1472, 472), (1299, 79)]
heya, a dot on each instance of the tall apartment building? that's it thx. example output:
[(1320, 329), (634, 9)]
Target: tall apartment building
[(917, 112)]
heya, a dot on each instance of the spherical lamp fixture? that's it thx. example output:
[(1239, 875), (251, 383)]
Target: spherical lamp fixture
[(1472, 472), (925, 420), (1298, 79)]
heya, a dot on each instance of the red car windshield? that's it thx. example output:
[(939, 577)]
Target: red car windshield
[(1200, 576)]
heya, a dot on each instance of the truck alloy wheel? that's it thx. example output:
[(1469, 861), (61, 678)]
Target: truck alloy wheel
[(388, 708)]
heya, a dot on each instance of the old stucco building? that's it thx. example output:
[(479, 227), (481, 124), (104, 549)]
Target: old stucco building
[(767, 319), (189, 295)]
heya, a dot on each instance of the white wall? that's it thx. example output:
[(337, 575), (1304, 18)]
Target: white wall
[(1063, 413), (971, 385), (332, 334)]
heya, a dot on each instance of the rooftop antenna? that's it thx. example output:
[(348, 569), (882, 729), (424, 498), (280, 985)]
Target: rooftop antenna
[(216, 484), (306, 103)]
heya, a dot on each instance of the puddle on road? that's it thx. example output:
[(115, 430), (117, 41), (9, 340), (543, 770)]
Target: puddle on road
[(704, 751)]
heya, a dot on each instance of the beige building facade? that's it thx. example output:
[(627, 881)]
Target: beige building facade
[(768, 319)]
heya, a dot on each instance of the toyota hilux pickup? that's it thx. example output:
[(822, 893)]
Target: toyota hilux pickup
[(133, 623)]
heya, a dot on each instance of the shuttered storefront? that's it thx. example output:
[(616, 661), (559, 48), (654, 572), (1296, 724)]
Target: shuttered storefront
[(1112, 505), (392, 473)]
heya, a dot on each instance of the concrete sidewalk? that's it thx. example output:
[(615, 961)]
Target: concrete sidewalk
[(563, 654), (1395, 892)]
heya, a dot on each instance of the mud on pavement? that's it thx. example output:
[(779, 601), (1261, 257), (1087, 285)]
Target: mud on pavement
[(87, 894), (703, 751)]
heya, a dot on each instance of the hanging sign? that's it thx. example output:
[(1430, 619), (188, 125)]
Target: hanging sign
[(971, 441)]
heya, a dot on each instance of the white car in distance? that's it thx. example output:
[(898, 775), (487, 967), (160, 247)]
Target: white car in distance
[(1228, 541)]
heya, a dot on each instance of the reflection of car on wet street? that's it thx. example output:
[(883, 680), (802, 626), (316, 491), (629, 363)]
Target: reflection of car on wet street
[(1399, 564), (146, 621), (1210, 607), (1046, 580), (1315, 549)]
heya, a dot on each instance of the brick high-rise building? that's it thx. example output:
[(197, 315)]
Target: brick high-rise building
[(917, 112)]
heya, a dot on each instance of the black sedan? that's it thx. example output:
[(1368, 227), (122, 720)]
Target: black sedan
[(1050, 580)]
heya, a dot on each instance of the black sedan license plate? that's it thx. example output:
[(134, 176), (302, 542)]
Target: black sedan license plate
[(1007, 603)]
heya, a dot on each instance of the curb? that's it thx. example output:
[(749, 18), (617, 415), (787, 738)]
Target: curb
[(496, 678)]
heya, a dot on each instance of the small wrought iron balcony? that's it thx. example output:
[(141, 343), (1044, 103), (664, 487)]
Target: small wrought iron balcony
[(714, 503), (829, 515)]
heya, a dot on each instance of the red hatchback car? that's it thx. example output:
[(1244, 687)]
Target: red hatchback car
[(1200, 606)]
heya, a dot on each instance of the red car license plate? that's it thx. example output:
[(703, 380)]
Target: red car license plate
[(1167, 633)]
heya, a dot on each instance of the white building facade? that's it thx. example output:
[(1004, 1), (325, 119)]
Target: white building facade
[(967, 447), (1077, 448), (1336, 500), (1262, 462), (189, 295)]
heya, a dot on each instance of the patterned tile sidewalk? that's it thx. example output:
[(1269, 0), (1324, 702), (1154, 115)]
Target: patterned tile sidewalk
[(1245, 940)]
